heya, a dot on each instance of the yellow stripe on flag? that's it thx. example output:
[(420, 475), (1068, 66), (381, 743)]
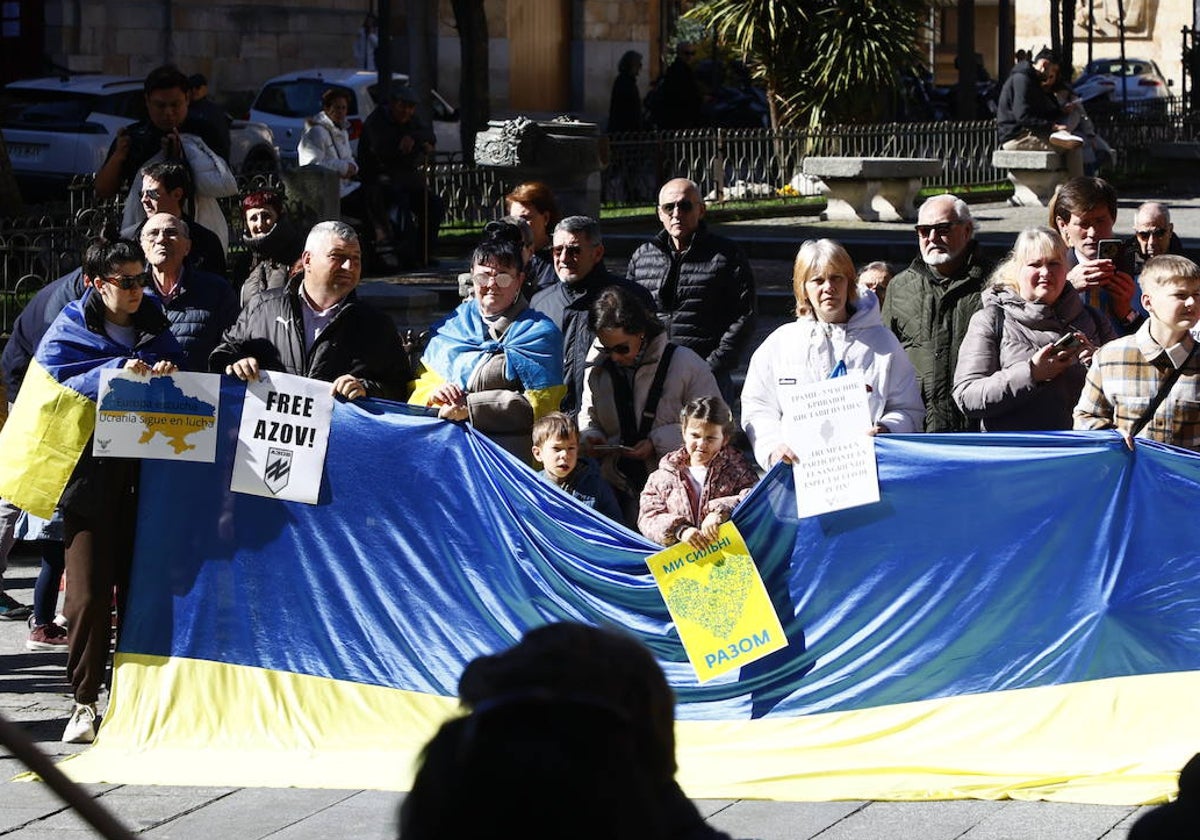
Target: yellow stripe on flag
[(1118, 741), (42, 440)]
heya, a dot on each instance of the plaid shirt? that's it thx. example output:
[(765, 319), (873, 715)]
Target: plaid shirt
[(1123, 379)]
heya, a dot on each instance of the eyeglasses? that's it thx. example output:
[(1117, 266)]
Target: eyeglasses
[(501, 281), (685, 206), (1151, 233), (150, 194), (129, 281), (567, 250), (941, 229), (164, 233)]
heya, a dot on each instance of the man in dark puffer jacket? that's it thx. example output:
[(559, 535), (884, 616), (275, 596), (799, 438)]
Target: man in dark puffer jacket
[(701, 283), (929, 305)]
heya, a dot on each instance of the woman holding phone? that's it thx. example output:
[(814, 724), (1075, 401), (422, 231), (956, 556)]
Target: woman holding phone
[(636, 385), (1023, 361)]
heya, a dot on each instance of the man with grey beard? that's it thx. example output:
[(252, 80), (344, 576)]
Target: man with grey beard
[(930, 303)]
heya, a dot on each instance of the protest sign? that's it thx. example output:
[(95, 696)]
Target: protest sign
[(721, 608), (282, 438), (827, 425), (170, 416)]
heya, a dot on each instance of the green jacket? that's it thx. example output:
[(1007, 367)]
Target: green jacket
[(930, 316)]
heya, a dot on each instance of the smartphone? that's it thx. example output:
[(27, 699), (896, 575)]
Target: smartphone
[(1067, 342), (1115, 250)]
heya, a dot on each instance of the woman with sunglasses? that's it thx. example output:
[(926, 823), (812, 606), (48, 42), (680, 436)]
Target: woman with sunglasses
[(637, 383), (114, 325), (493, 361)]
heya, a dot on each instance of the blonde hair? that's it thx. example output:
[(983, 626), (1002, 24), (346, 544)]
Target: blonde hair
[(1159, 271), (1038, 240), (818, 255)]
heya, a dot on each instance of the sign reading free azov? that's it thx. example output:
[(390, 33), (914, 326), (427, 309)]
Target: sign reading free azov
[(282, 438), (721, 608)]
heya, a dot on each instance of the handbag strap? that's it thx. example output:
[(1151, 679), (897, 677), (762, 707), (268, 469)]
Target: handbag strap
[(1163, 390)]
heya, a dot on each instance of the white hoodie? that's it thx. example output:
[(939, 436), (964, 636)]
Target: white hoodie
[(807, 351)]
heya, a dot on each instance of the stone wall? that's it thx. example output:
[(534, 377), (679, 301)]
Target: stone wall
[(1152, 32), (240, 45)]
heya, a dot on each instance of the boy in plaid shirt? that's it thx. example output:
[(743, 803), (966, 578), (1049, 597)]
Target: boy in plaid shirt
[(1127, 373)]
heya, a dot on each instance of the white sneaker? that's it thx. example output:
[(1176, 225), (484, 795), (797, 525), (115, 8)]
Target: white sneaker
[(81, 728), (1066, 140)]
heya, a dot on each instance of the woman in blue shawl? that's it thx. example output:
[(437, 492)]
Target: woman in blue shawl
[(493, 361)]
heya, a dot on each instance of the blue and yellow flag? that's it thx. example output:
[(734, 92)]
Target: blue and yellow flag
[(1019, 616), (42, 440)]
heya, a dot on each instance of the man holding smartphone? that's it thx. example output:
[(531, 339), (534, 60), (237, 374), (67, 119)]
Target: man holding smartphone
[(1084, 211)]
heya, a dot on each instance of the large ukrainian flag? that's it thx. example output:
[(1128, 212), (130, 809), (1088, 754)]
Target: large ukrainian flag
[(1018, 617)]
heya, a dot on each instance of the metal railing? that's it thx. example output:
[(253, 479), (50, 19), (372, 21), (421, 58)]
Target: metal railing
[(741, 165)]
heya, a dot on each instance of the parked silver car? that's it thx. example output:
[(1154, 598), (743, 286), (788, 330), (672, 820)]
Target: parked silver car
[(1104, 78), (286, 101), (61, 126)]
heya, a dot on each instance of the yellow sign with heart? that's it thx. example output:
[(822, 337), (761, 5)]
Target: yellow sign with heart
[(721, 608)]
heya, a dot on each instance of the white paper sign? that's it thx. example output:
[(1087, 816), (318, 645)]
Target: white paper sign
[(282, 439), (826, 424), (170, 417)]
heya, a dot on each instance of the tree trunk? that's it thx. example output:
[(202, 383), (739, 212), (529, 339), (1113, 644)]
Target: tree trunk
[(10, 197), (474, 96), (1068, 40), (1055, 22)]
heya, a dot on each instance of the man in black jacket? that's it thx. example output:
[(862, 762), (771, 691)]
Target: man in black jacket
[(317, 327), (701, 283), (579, 263), (1029, 118)]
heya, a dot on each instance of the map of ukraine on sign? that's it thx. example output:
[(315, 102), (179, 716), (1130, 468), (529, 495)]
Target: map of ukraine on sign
[(720, 606), (167, 417)]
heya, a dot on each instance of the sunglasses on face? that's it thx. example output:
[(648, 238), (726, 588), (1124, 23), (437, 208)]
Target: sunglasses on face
[(941, 229), (567, 250), (684, 205), (502, 281), (622, 349), (126, 282), (150, 194), (1151, 233)]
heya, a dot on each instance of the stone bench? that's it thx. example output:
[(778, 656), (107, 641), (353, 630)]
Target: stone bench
[(1034, 175), (871, 189)]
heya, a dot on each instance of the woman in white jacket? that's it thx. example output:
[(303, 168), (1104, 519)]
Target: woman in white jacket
[(326, 142), (837, 328)]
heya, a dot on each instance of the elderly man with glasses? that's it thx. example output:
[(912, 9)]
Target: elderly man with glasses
[(930, 303), (578, 253), (1153, 234), (200, 305), (701, 283)]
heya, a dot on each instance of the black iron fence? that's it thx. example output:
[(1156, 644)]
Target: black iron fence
[(732, 165)]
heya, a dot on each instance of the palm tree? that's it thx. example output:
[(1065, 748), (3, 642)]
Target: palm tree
[(765, 32), (820, 59)]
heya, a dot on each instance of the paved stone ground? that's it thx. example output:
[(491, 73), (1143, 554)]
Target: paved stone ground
[(33, 690)]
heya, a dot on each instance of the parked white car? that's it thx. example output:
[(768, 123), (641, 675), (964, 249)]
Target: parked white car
[(61, 126), (286, 101), (1104, 78)]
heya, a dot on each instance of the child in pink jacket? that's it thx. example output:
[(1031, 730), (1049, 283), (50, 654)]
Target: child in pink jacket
[(697, 486)]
